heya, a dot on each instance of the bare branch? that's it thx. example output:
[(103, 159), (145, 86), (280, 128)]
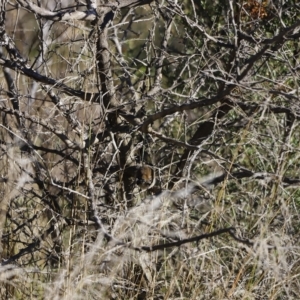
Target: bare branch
[(196, 239), (69, 14)]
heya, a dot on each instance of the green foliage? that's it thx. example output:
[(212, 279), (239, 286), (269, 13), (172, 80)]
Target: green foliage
[(204, 94)]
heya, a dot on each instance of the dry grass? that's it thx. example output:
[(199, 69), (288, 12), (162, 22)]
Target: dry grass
[(65, 256), (215, 268)]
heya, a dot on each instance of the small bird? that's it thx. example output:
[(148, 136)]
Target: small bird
[(145, 176), (142, 175)]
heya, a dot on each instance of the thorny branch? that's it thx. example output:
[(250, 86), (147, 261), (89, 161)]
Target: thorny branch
[(227, 82), (231, 231)]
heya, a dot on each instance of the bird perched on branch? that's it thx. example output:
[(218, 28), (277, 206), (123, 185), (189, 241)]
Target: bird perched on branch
[(143, 175)]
